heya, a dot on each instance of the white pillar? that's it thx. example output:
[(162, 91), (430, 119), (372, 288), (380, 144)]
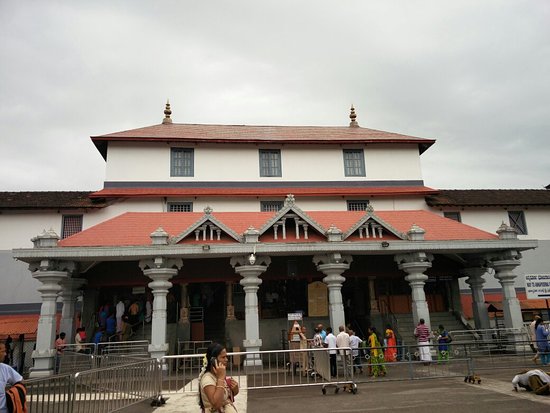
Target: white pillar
[(160, 270), (504, 272), (414, 264), (50, 274), (250, 268), (69, 293), (333, 266), (475, 280)]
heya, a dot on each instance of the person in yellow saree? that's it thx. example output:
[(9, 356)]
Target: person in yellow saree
[(390, 350), (376, 362)]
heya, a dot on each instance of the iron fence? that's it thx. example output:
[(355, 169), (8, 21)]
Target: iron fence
[(99, 390)]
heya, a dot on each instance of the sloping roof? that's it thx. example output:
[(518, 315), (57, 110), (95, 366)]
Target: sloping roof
[(181, 132), (134, 228), (266, 191), (13, 325), (49, 200), (489, 197)]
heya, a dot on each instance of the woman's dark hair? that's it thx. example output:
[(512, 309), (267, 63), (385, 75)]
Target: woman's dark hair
[(538, 322), (213, 350)]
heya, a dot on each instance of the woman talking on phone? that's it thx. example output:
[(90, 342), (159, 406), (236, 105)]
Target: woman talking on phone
[(216, 390)]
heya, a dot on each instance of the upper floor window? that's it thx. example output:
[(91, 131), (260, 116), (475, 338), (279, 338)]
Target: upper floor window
[(270, 162), (517, 221), (181, 162), (354, 162), (271, 206), (358, 205), (180, 207), (70, 225), (454, 215)]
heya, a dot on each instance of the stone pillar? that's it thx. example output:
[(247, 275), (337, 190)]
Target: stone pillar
[(333, 265), (69, 294), (230, 307), (475, 280), (414, 264), (372, 296), (250, 268), (160, 270), (51, 274), (504, 265)]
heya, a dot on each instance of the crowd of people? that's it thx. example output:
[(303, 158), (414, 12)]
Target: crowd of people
[(119, 322), (376, 349)]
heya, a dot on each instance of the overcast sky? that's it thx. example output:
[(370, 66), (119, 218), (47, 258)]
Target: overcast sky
[(475, 75)]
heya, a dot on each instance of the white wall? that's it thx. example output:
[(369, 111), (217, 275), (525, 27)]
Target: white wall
[(151, 162), (489, 219), (538, 227)]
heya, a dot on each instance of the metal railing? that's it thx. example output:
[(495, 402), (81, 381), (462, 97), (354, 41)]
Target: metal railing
[(99, 390), (100, 355), (310, 367), (192, 347), (490, 335)]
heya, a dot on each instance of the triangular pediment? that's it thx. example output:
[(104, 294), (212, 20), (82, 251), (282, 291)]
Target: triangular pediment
[(206, 229), (291, 222), (371, 226)]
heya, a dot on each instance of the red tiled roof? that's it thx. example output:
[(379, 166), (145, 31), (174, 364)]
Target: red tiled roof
[(48, 200), (267, 134), (248, 192), (13, 325), (489, 197), (134, 228), (181, 132)]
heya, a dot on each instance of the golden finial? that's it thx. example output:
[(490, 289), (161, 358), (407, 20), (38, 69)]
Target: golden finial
[(353, 116), (167, 113)]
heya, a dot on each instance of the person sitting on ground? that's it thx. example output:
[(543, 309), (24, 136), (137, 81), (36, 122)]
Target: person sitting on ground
[(532, 380), (216, 390)]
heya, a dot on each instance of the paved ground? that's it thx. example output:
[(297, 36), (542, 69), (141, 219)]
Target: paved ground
[(450, 395)]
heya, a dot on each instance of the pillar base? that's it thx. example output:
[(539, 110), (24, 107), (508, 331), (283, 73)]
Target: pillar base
[(35, 373), (253, 360), (44, 363), (158, 351)]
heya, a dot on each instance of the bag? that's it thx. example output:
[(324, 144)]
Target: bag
[(16, 398), (533, 349), (449, 338)]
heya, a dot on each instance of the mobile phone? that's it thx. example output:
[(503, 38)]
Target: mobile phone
[(214, 362)]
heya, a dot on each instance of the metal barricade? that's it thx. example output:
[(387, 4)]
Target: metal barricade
[(72, 362), (193, 347), (50, 394), (110, 389), (263, 369), (99, 390), (139, 348)]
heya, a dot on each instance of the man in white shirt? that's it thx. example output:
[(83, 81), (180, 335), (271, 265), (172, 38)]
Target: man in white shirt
[(533, 380), (330, 343), (7, 376), (354, 344), (342, 342)]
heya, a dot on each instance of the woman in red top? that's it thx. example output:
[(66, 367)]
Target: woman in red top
[(390, 350)]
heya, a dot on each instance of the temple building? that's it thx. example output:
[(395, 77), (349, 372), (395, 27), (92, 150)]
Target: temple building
[(229, 228)]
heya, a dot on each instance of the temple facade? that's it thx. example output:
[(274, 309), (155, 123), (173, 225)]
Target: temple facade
[(230, 228)]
